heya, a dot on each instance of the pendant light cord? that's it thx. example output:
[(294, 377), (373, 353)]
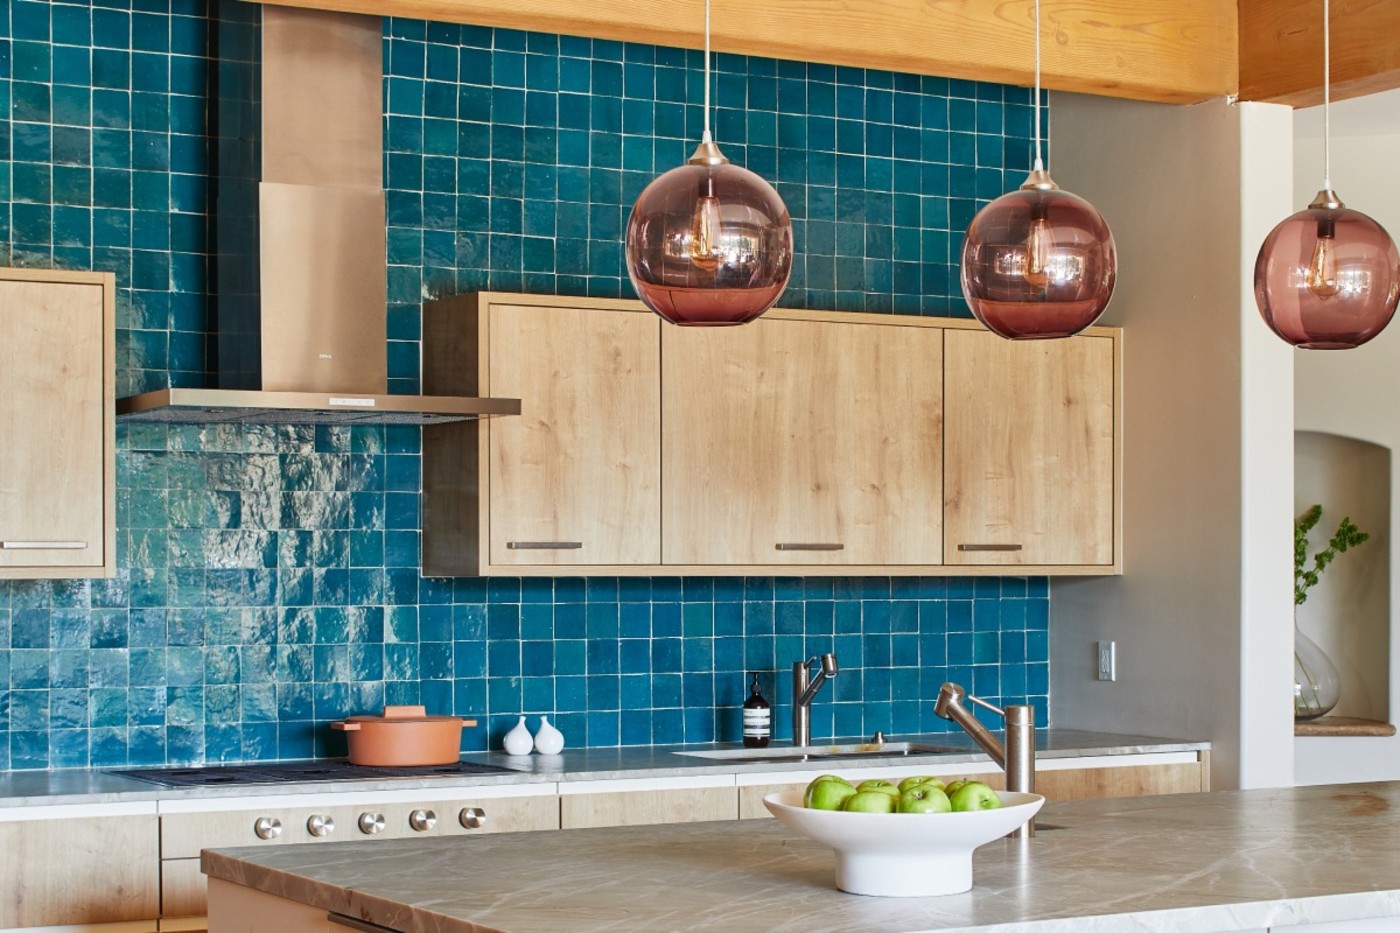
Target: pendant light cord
[(706, 135), (1039, 164), (1326, 95)]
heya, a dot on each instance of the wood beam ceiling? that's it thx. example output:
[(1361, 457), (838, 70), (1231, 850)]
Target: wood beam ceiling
[(1281, 49), (1174, 51)]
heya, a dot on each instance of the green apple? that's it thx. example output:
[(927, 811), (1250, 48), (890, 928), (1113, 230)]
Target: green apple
[(952, 787), (878, 786), (974, 795), (827, 792), (871, 801), (919, 779), (924, 798)]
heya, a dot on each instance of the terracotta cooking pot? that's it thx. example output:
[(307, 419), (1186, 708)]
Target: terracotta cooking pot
[(404, 737)]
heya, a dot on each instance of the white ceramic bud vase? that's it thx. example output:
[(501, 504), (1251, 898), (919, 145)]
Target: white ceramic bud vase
[(518, 740), (548, 740)]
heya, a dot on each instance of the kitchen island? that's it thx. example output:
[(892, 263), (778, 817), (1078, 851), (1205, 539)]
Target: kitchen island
[(1236, 860)]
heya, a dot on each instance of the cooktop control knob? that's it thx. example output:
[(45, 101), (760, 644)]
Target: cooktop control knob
[(472, 817), (267, 827), (371, 823), (422, 820), (319, 825)]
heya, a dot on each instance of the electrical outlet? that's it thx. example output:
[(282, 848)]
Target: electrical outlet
[(1108, 660)]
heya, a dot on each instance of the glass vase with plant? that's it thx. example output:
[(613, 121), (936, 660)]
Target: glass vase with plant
[(1316, 684)]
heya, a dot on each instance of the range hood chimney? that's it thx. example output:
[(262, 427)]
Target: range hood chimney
[(301, 272)]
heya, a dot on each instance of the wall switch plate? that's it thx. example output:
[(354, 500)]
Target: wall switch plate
[(1108, 660)]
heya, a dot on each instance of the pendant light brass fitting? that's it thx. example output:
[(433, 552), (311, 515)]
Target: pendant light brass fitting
[(1326, 200), (1039, 180), (707, 153)]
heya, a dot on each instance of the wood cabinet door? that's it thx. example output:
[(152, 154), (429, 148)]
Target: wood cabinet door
[(576, 479), (79, 870), (1029, 463), (55, 426), (794, 441)]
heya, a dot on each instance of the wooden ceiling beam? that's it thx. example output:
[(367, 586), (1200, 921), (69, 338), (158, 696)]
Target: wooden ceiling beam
[(1174, 51), (1281, 49)]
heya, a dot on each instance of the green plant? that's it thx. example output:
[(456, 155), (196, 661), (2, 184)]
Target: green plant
[(1347, 536)]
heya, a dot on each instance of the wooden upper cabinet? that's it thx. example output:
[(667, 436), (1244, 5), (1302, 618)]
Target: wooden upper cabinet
[(57, 424), (575, 479), (1030, 468), (802, 440)]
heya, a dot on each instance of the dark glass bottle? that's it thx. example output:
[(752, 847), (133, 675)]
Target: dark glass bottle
[(758, 718)]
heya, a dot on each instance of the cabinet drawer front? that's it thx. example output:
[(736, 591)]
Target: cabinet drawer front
[(71, 871), (52, 445), (640, 807), (576, 479)]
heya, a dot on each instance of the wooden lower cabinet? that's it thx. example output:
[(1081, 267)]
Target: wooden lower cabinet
[(1060, 784), (244, 910), (79, 870), (641, 807)]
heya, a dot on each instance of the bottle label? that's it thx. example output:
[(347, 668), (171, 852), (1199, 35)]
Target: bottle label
[(758, 723)]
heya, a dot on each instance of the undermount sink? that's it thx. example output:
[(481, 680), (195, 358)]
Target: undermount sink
[(826, 752)]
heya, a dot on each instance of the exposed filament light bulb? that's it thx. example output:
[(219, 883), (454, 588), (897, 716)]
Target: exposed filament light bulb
[(1038, 240), (1321, 277), (705, 230)]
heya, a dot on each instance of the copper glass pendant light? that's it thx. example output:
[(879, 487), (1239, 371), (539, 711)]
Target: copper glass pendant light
[(1327, 277), (709, 243), (1038, 262)]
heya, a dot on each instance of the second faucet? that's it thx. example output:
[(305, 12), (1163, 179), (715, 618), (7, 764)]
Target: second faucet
[(803, 692)]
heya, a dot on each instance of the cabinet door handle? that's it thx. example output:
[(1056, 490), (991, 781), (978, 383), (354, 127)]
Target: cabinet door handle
[(43, 545), (989, 547), (544, 545), (808, 546)]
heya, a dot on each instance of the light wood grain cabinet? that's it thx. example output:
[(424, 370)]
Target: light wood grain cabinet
[(575, 480), (642, 807), (79, 870), (802, 441), (1030, 450), (813, 443), (57, 427)]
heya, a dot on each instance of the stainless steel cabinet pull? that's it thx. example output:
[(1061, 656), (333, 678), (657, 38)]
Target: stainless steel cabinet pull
[(989, 547), (43, 545), (544, 545), (267, 827), (802, 546), (472, 817)]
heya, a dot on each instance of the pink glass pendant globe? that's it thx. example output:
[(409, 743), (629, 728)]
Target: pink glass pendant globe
[(1327, 278), (1038, 262), (709, 243)]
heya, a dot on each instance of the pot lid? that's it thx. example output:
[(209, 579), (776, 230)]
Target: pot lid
[(393, 714)]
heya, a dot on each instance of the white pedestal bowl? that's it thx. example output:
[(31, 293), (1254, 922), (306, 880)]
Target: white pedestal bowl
[(904, 854)]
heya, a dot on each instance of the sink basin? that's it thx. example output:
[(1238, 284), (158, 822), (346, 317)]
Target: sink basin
[(865, 751)]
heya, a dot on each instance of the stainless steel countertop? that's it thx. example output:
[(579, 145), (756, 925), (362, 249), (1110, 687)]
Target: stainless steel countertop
[(76, 786)]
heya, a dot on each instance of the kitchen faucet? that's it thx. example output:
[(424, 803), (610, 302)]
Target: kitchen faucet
[(1016, 757), (803, 693)]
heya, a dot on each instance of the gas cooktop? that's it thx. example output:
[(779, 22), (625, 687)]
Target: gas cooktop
[(298, 772)]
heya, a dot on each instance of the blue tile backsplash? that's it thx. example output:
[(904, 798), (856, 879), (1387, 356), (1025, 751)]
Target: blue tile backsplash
[(269, 576)]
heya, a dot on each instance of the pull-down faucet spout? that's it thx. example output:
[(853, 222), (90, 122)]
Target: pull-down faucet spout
[(1016, 757)]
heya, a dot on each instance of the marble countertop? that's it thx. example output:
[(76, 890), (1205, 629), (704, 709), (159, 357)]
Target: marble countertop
[(1237, 860), (49, 788)]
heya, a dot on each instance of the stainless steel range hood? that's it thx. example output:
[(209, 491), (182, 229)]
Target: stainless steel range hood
[(301, 271)]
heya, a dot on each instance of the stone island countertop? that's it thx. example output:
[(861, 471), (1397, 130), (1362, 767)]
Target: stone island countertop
[(1236, 860)]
